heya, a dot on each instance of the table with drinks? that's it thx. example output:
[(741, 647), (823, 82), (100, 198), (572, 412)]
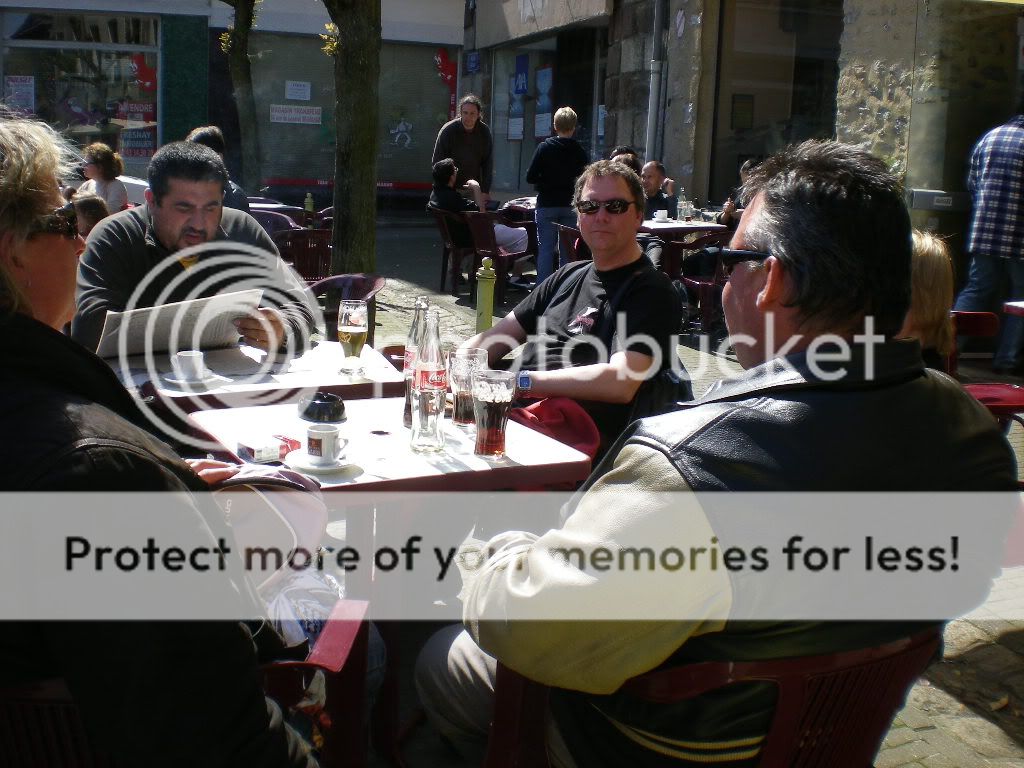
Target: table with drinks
[(673, 229)]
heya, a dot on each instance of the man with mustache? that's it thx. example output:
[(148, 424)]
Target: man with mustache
[(185, 208)]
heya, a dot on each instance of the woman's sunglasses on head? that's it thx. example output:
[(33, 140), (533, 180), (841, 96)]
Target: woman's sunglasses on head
[(616, 206), (60, 221)]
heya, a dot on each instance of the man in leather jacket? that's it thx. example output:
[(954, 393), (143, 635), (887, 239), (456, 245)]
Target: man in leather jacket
[(824, 247)]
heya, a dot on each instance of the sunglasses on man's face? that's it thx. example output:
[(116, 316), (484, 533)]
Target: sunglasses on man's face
[(616, 206), (61, 221), (730, 258)]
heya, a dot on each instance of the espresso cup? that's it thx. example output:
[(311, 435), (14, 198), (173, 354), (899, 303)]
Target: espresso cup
[(661, 215), (324, 444), (189, 365)]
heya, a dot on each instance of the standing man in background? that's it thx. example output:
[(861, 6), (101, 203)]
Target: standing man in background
[(467, 141), (996, 238), (557, 163), (211, 136)]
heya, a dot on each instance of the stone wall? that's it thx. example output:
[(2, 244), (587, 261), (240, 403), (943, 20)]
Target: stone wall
[(628, 78)]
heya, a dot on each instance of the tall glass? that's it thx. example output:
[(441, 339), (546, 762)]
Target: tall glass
[(352, 331), (492, 400), (462, 364)]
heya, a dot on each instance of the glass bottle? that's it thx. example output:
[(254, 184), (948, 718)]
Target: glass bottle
[(419, 319), (429, 384)]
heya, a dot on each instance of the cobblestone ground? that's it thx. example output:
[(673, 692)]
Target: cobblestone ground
[(968, 710)]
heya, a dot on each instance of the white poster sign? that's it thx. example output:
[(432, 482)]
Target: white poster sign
[(297, 89), (291, 113)]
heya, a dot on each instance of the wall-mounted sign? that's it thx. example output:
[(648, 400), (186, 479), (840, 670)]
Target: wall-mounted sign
[(542, 117), (472, 64), (297, 89), (516, 93), (138, 142), (292, 113)]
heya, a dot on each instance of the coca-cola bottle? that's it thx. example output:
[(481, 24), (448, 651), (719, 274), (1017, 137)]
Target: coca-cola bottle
[(429, 383), (419, 319)]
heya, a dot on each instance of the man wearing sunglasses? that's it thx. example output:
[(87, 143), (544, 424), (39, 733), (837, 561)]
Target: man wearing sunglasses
[(185, 208), (595, 331), (830, 402)]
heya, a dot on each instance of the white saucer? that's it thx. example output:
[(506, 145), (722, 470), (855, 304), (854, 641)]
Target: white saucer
[(208, 379), (302, 461)]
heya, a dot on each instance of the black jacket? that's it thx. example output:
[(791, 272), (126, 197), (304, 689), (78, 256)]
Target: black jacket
[(150, 693), (557, 163)]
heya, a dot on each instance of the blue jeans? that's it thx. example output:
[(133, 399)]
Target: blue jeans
[(547, 237), (984, 280)]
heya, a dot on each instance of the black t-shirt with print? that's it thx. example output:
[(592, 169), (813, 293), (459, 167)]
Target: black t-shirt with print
[(573, 304)]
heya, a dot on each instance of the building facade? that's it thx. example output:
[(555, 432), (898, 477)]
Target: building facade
[(705, 84)]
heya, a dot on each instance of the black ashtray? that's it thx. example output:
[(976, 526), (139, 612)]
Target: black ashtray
[(323, 407)]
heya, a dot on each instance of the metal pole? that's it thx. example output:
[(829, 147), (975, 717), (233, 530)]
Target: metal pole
[(654, 95)]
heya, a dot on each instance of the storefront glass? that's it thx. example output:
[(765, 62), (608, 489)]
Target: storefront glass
[(100, 84), (777, 78), (293, 83)]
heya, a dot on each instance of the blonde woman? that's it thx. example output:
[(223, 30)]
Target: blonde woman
[(102, 167), (153, 693), (928, 318)]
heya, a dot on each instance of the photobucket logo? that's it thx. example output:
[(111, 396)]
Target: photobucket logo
[(231, 284)]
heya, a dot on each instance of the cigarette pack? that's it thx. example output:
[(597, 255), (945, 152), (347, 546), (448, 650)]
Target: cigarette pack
[(273, 449)]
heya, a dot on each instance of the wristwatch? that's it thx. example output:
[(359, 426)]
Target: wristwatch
[(523, 382)]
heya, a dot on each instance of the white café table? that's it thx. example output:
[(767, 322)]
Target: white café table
[(378, 456), (238, 380), (677, 230)]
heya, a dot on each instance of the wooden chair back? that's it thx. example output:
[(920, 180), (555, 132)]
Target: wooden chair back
[(357, 285), (307, 250)]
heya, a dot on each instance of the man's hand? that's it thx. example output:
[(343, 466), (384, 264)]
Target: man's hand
[(668, 186), (265, 329), (478, 196)]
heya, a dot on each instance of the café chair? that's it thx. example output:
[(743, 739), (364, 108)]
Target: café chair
[(831, 710), (1004, 401), (456, 244), (272, 221), (481, 229), (395, 354), (307, 250), (354, 286), (570, 245), (40, 726), (324, 219), (264, 200)]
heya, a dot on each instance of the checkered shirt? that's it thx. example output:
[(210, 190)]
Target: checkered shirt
[(996, 181)]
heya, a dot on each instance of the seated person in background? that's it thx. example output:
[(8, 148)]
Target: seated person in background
[(653, 177), (730, 215), (90, 210), (102, 167), (444, 197), (931, 283), (586, 353), (827, 241), (211, 136), (627, 156), (184, 208), (155, 693)]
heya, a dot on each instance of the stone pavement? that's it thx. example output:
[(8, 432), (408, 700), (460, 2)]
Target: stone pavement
[(968, 710)]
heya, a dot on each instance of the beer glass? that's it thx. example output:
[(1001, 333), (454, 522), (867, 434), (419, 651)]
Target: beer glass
[(492, 399), (462, 364), (352, 330)]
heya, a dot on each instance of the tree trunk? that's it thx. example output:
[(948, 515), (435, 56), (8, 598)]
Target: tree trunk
[(241, 80), (356, 74)]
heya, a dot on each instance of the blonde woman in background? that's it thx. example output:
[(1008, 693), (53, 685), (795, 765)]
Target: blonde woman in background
[(928, 319), (102, 167)]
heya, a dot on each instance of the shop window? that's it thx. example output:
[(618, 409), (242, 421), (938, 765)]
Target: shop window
[(778, 71)]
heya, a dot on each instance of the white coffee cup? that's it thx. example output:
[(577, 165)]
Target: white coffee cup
[(661, 215), (189, 365), (324, 444)]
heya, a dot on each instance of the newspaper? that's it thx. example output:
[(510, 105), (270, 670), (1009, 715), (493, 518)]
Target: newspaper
[(196, 324)]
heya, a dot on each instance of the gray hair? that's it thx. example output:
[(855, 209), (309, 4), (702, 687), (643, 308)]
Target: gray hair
[(834, 216)]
